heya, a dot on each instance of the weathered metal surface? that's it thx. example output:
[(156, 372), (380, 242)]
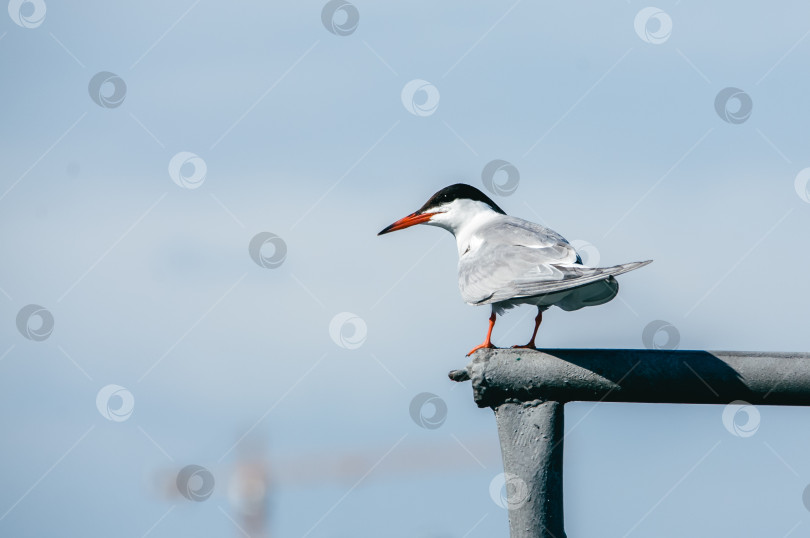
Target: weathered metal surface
[(652, 376), (531, 437), (528, 388)]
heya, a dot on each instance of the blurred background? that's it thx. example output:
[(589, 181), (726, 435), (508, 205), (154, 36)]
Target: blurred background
[(201, 335)]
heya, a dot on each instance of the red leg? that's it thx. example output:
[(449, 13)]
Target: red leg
[(488, 342), (537, 321)]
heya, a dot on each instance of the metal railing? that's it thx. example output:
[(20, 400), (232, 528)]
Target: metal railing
[(527, 390)]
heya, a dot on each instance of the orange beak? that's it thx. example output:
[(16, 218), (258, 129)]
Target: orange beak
[(407, 222)]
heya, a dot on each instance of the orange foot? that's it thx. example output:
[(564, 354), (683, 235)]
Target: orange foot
[(485, 345), (530, 345)]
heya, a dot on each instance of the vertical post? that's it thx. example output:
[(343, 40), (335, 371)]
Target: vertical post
[(531, 435)]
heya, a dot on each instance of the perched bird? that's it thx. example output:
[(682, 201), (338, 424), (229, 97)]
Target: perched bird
[(506, 261)]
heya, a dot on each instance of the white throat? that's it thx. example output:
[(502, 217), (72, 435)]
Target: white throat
[(462, 218)]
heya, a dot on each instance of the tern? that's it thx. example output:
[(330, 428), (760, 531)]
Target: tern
[(507, 261)]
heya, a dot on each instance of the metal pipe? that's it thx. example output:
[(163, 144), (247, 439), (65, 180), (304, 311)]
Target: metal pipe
[(527, 390), (630, 375), (532, 447)]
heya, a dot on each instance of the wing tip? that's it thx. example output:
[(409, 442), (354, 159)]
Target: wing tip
[(633, 266)]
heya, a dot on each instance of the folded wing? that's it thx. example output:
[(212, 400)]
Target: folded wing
[(515, 258)]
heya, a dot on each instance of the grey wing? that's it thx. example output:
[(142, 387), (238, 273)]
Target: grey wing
[(518, 232), (515, 259)]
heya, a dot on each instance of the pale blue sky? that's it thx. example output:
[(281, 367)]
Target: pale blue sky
[(304, 135)]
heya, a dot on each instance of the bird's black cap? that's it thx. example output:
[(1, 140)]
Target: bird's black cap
[(456, 192)]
